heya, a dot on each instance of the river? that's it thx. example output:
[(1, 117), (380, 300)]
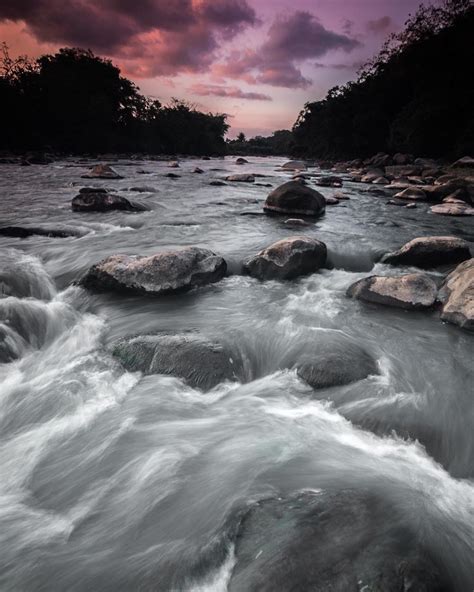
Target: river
[(113, 481)]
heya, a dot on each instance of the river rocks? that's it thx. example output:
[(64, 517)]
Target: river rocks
[(402, 159), (414, 193), (402, 170), (27, 231), (241, 160), (330, 201), (338, 541), (411, 291), (464, 162), (143, 189), (164, 273), (241, 178), (294, 165), (287, 259), (172, 175), (102, 171), (174, 164), (329, 181), (217, 183), (336, 363), (452, 209), (294, 198), (198, 171), (380, 181), (103, 202), (430, 251), (457, 296), (200, 361), (296, 222)]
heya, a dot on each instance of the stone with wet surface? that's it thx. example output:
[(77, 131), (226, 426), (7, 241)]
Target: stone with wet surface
[(102, 171), (163, 273), (200, 361), (430, 251), (457, 296), (294, 198), (287, 259), (411, 291)]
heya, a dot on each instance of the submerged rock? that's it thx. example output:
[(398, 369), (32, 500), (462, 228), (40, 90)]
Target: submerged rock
[(143, 189), (103, 202), (102, 171), (411, 291), (241, 160), (344, 541), (200, 361), (296, 222), (430, 251), (287, 259), (163, 273), (241, 178), (335, 363), (457, 296), (27, 231), (294, 198)]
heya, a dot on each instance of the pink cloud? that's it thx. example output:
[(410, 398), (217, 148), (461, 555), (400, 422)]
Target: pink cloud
[(227, 91), (290, 41)]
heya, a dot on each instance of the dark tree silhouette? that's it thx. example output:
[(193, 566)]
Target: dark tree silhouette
[(74, 101), (416, 95)]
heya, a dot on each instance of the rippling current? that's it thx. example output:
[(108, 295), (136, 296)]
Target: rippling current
[(114, 481)]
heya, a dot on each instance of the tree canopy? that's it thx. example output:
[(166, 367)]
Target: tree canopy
[(416, 95), (74, 101)]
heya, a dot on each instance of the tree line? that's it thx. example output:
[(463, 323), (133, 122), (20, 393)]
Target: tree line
[(415, 96), (76, 102)]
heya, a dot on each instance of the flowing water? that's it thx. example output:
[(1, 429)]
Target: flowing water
[(113, 481)]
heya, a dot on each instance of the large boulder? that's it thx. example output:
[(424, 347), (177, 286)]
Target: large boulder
[(335, 362), (294, 198), (411, 291), (103, 202), (200, 361), (163, 273), (331, 541), (430, 251), (287, 259), (102, 171), (294, 165), (457, 296)]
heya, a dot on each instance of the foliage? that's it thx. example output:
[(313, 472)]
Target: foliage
[(73, 101), (416, 95), (279, 143)]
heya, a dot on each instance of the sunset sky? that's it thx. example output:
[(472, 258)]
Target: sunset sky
[(257, 60)]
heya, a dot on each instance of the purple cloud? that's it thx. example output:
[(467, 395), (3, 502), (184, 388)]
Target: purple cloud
[(380, 25), (290, 40), (167, 36), (227, 91)]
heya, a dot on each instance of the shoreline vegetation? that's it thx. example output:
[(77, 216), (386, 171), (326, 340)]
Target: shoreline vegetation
[(415, 97)]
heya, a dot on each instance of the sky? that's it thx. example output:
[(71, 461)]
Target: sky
[(259, 61)]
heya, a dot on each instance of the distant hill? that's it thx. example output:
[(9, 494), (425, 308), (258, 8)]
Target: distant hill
[(416, 96)]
